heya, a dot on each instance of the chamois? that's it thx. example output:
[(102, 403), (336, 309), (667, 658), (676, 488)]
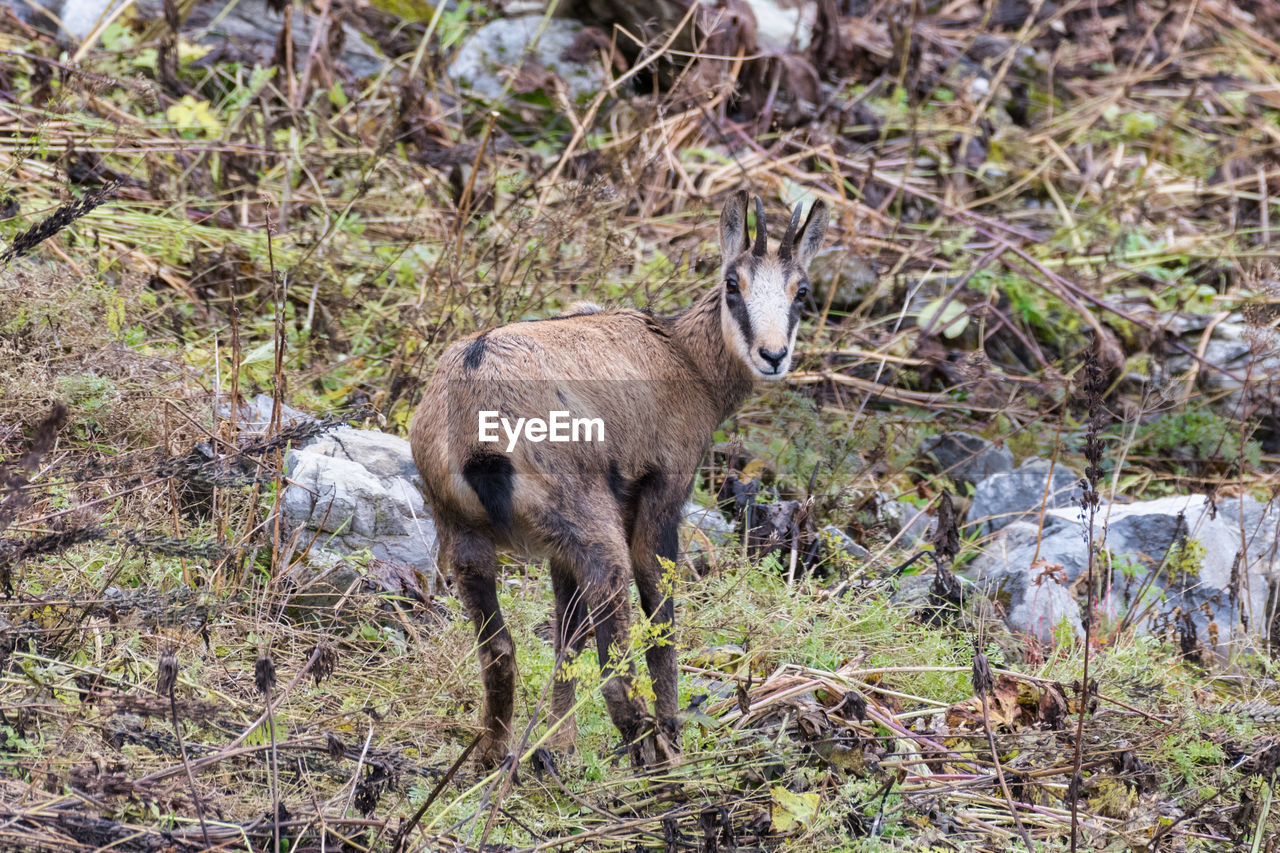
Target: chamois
[(596, 509)]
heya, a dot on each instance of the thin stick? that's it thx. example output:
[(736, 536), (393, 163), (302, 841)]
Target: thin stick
[(1095, 383), (995, 759), (397, 841), (186, 764), (275, 772)]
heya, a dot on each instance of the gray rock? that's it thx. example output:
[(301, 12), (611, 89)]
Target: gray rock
[(708, 521), (331, 588), (383, 455), (254, 416), (1036, 599), (1010, 496), (1211, 598), (254, 28), (916, 592), (320, 583), (912, 590), (1257, 522), (704, 532), (843, 542), (1233, 346), (354, 490), (248, 26), (483, 65), (967, 459), (1218, 594), (852, 278), (909, 520)]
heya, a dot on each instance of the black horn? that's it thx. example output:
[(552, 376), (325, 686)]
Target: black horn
[(761, 247), (789, 238)]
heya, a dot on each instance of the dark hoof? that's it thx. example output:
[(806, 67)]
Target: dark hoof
[(655, 750), (666, 748), (494, 757), (544, 763)]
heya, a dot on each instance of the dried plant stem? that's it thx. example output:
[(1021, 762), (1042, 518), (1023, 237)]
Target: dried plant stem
[(275, 772), (1094, 385), (264, 673), (983, 684), (1074, 787), (1004, 785), (398, 840), (167, 682), (468, 192), (186, 765)]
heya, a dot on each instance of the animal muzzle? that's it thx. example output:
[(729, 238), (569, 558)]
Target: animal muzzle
[(771, 362)]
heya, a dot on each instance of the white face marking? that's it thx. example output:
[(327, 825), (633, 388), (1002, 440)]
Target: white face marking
[(767, 301)]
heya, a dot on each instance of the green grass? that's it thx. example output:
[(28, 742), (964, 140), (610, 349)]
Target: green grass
[(128, 316)]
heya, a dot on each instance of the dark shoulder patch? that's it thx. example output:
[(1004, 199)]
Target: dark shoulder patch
[(656, 326), (474, 352)]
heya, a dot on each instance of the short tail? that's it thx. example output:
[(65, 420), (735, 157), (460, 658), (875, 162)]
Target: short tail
[(491, 477)]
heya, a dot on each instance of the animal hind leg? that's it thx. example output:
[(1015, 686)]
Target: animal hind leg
[(474, 562)]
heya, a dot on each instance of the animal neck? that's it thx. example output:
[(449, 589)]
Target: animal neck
[(725, 380)]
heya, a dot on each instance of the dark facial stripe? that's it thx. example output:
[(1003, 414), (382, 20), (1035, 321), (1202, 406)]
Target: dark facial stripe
[(738, 310), (797, 309), (793, 317)]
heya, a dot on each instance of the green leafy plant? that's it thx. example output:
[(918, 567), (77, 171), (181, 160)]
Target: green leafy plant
[(1198, 434)]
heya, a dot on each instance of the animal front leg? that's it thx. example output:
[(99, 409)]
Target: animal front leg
[(601, 569), (610, 614), (571, 628), (656, 534)]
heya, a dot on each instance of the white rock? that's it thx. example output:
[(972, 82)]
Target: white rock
[(254, 416), (1038, 601), (79, 17), (1219, 603), (353, 490), (782, 26), (499, 48)]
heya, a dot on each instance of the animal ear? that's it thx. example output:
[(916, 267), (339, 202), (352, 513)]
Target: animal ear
[(809, 240), (733, 227)]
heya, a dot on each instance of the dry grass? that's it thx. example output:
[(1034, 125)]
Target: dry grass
[(1120, 173)]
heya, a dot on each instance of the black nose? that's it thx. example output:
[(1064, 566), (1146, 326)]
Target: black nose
[(774, 358)]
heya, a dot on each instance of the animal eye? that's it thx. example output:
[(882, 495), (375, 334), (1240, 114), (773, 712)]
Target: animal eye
[(731, 284), (801, 292)]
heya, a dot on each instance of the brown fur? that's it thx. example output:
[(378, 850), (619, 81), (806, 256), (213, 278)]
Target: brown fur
[(598, 511)]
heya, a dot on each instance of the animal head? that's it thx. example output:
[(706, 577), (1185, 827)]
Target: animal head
[(763, 292)]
